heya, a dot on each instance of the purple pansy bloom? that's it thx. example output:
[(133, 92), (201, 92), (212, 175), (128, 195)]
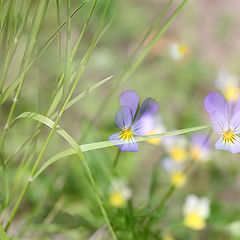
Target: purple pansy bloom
[(225, 117), (133, 122), (200, 147)]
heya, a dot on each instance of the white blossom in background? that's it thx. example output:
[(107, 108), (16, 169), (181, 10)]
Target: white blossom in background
[(228, 84), (195, 211), (119, 193), (177, 51)]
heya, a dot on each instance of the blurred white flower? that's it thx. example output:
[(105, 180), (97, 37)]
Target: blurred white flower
[(119, 193), (159, 127), (177, 51), (228, 84), (196, 211), (175, 171), (199, 148), (176, 146)]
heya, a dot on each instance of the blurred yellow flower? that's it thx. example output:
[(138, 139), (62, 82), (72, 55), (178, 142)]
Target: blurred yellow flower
[(178, 154), (117, 200), (196, 211), (194, 221), (156, 141), (228, 84), (231, 93), (119, 193), (178, 178)]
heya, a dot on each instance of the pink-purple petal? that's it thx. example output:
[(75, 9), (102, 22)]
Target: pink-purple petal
[(235, 122), (149, 108), (219, 122), (129, 146), (143, 126), (130, 99), (123, 118), (215, 102)]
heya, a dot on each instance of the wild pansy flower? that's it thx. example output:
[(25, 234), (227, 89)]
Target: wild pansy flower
[(133, 121), (196, 211), (158, 128), (119, 194), (177, 51), (225, 117), (176, 146), (175, 171), (199, 147), (228, 84)]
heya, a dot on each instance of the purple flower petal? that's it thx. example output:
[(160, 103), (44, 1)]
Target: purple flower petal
[(215, 102), (149, 108), (129, 146), (200, 140), (235, 122), (123, 118), (219, 122), (130, 99), (229, 146), (124, 146), (143, 126)]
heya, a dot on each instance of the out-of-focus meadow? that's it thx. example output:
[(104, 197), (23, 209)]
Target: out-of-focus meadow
[(145, 195)]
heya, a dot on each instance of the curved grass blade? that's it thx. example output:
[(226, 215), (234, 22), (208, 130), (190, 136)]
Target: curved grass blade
[(92, 146), (3, 235)]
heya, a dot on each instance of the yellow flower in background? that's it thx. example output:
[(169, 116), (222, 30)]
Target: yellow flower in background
[(119, 194), (177, 51), (176, 146), (196, 211), (158, 128), (178, 178), (178, 154), (228, 84), (175, 171)]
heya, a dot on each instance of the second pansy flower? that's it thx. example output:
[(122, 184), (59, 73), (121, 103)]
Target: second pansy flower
[(133, 121)]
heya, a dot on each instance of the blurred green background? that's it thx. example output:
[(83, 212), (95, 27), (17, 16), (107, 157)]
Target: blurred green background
[(60, 204)]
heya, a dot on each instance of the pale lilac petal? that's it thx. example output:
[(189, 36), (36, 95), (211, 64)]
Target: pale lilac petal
[(143, 126), (129, 146), (149, 108), (200, 140), (130, 99), (219, 122), (123, 145), (215, 102), (235, 122), (229, 146), (123, 118)]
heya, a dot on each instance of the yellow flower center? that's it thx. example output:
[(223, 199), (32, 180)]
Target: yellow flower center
[(183, 49), (178, 154), (178, 179), (156, 141), (232, 93), (117, 200), (228, 137), (195, 152), (126, 134), (194, 221)]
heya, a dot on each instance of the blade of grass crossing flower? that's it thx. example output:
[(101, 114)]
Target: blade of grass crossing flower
[(98, 145)]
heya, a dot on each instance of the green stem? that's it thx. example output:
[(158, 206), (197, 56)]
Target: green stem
[(116, 158)]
